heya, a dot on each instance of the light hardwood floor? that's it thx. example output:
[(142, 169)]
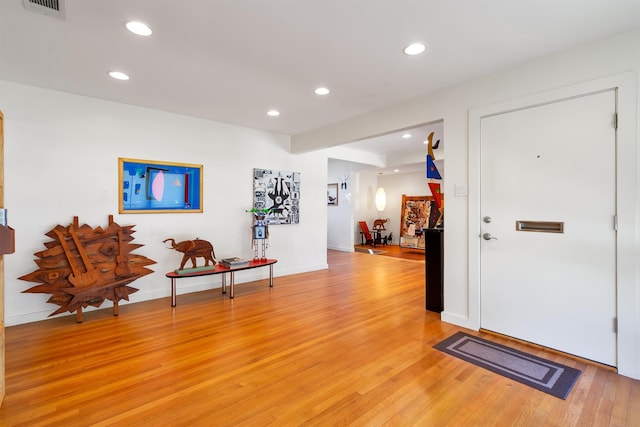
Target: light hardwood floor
[(351, 345), (395, 251)]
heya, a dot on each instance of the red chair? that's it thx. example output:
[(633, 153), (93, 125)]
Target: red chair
[(365, 234)]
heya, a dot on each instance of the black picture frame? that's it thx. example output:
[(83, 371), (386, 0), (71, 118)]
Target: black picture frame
[(332, 194)]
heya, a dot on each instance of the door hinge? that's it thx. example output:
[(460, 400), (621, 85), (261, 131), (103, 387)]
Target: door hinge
[(615, 325), (615, 120), (615, 222)]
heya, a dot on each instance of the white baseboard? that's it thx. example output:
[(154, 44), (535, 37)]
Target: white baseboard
[(163, 290)]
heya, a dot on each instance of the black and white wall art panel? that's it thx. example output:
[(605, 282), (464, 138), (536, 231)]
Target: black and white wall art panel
[(278, 191)]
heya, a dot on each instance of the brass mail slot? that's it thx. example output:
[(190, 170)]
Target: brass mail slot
[(540, 226)]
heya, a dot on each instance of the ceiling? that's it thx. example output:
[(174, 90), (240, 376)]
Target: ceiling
[(404, 150), (233, 60)]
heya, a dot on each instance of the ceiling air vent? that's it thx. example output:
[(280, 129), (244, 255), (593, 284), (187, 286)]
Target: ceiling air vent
[(53, 8)]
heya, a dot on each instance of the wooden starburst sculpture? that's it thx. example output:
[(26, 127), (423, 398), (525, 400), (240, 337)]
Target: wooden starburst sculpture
[(83, 266)]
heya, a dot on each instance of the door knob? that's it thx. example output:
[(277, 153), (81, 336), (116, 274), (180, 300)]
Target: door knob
[(487, 219), (488, 236)]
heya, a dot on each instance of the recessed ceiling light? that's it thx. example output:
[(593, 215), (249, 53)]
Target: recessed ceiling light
[(273, 113), (396, 170), (322, 91), (139, 28), (406, 135), (414, 49), (118, 75)]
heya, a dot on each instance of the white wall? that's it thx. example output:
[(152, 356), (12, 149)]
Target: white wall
[(61, 159), (601, 58), (340, 224)]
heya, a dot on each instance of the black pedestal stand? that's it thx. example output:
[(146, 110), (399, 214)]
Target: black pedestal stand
[(434, 268)]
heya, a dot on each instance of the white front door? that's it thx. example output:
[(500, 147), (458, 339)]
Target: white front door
[(553, 166)]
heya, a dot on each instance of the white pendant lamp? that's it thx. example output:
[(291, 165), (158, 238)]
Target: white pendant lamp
[(381, 199)]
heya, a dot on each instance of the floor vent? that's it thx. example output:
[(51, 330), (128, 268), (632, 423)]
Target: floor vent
[(53, 8)]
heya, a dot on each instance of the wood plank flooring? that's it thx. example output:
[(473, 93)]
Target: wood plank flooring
[(351, 345), (396, 251)]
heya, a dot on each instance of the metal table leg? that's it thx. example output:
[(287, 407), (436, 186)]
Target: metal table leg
[(173, 292), (271, 275), (231, 285)]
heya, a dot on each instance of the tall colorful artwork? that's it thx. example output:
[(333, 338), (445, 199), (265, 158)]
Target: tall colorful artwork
[(278, 191), (433, 175)]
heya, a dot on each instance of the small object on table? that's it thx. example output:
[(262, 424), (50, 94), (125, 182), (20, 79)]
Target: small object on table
[(234, 262), (194, 269)]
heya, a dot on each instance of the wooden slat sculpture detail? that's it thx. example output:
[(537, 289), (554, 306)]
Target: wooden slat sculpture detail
[(83, 266)]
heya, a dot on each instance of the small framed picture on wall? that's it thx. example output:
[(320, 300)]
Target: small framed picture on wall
[(332, 194)]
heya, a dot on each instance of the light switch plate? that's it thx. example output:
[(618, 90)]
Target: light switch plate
[(460, 190)]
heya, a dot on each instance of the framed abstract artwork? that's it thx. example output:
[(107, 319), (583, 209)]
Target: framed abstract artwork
[(278, 191), (420, 212), (415, 214), (148, 186), (413, 218)]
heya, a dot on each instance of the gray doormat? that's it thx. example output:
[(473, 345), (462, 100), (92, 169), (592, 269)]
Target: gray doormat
[(541, 374)]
